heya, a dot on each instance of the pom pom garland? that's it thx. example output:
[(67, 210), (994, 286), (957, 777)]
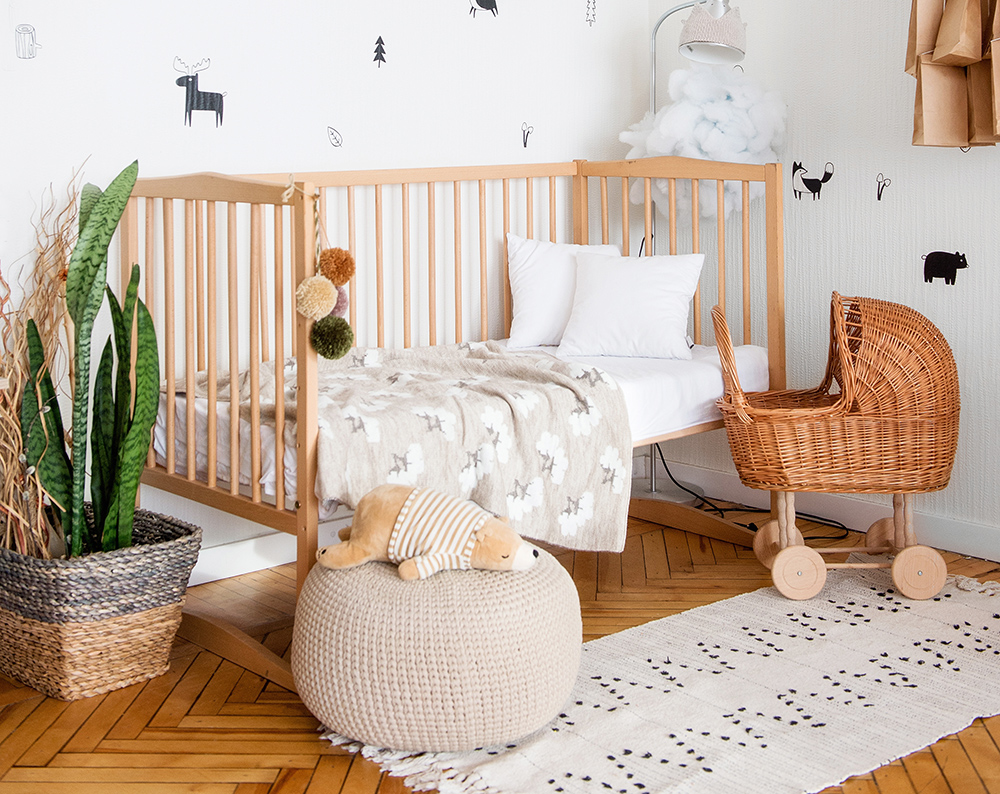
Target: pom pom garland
[(337, 265), (331, 337), (316, 297), (343, 299)]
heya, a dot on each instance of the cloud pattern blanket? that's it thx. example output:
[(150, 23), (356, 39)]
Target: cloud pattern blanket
[(540, 440)]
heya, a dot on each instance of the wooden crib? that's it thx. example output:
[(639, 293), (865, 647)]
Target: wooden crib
[(222, 255)]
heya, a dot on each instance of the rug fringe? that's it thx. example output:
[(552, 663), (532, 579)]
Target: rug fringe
[(421, 771), (974, 585)]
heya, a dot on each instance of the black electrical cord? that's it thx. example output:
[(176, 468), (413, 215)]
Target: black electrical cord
[(829, 522)]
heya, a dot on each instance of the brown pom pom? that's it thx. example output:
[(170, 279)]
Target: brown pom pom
[(337, 265), (315, 297)]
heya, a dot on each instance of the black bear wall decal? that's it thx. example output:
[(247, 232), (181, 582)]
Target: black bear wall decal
[(195, 99), (802, 184), (483, 5), (942, 264)]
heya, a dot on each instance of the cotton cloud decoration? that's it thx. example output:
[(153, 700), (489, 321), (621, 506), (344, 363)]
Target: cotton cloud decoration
[(714, 114)]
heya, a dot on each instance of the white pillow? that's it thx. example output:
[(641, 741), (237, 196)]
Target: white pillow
[(632, 306), (542, 283)]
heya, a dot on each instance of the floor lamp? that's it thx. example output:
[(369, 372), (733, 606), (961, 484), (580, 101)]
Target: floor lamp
[(713, 34)]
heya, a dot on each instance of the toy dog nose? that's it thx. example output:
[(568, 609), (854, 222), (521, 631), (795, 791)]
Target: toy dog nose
[(535, 552)]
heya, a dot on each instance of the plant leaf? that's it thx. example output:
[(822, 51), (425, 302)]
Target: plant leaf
[(42, 431), (85, 283), (135, 445), (91, 250), (88, 199), (103, 455)]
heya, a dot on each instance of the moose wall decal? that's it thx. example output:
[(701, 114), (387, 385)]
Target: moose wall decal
[(195, 99)]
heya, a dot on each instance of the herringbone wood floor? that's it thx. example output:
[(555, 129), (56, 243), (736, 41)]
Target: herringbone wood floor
[(209, 726)]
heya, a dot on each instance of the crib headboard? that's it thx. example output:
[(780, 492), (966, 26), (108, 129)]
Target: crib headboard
[(221, 257)]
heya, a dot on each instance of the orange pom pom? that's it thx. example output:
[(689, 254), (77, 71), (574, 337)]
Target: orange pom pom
[(337, 265)]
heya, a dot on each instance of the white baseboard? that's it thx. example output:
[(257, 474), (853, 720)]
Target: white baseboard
[(973, 540), (243, 556)]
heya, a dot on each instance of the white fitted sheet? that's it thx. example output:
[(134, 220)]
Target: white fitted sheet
[(663, 396)]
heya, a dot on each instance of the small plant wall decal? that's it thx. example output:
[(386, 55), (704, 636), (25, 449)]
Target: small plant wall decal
[(526, 130), (882, 183)]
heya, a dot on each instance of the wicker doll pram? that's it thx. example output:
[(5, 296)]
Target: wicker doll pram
[(884, 420)]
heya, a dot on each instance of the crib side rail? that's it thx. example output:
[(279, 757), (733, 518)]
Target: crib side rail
[(431, 244), (219, 257)]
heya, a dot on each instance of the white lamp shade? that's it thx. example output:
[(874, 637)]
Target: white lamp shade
[(708, 40)]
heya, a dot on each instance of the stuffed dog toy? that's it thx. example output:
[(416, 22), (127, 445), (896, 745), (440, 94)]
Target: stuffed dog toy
[(424, 531)]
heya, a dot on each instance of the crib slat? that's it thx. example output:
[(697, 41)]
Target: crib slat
[(406, 265), (149, 207), (256, 211), (625, 219), (199, 267), (605, 223), (552, 209), (279, 357), (672, 201), (746, 262), (507, 298), (234, 354), (721, 225), (261, 240), (431, 265), (484, 319), (458, 261), (695, 248), (212, 439), (379, 271), (529, 207), (168, 325), (190, 324), (352, 246), (647, 214)]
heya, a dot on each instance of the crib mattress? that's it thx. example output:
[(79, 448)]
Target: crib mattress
[(663, 396)]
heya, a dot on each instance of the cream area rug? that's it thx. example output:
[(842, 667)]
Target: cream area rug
[(756, 693)]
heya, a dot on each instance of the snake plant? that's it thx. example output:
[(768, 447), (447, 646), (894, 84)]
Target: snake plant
[(120, 432)]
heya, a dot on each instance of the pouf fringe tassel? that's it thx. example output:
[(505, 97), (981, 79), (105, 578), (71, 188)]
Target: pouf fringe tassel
[(421, 771)]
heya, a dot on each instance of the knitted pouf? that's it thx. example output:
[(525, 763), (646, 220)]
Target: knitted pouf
[(460, 660)]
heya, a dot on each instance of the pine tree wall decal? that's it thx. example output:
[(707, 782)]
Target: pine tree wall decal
[(379, 52), (591, 12)]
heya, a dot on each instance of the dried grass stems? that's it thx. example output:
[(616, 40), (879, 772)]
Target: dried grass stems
[(25, 526)]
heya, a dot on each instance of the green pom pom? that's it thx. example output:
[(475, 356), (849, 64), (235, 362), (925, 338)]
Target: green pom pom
[(332, 337)]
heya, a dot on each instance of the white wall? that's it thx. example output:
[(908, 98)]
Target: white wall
[(455, 89), (839, 69)]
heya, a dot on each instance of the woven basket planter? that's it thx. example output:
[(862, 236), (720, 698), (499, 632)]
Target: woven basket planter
[(80, 627)]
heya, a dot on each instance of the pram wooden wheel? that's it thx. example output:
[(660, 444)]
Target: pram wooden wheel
[(798, 572), (767, 543), (919, 572), (880, 535)]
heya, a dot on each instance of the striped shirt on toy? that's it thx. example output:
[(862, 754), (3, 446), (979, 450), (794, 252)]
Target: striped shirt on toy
[(436, 531)]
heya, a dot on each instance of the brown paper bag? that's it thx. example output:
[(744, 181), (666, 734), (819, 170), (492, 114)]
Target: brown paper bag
[(960, 37), (995, 75), (980, 84), (940, 107), (925, 19)]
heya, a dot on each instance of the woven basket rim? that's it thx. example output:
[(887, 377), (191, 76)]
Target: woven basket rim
[(189, 532)]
